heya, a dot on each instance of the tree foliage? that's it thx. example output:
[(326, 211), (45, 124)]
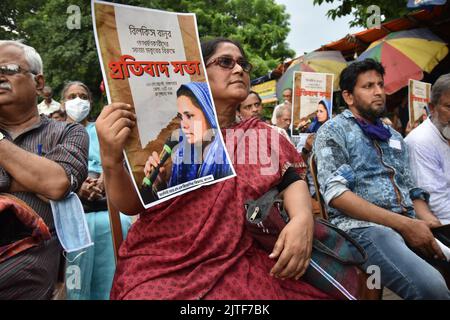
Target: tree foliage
[(389, 9), (260, 25)]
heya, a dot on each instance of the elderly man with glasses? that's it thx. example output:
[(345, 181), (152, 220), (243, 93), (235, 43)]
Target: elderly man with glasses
[(40, 160)]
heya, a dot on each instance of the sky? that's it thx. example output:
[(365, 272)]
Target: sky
[(311, 28)]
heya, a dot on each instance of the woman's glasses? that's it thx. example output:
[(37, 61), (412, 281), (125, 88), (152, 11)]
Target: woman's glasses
[(12, 69), (229, 63)]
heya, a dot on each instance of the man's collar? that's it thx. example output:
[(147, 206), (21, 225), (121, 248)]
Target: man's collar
[(348, 114)]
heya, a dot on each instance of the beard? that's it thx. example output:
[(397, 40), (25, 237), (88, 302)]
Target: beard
[(444, 129), (370, 112)]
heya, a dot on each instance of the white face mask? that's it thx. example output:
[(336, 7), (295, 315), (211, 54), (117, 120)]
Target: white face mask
[(77, 109)]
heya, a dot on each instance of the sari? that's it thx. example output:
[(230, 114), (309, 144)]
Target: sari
[(195, 246)]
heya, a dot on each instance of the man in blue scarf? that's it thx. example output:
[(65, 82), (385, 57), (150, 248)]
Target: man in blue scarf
[(366, 182)]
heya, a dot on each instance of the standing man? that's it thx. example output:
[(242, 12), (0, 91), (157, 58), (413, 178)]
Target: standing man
[(39, 159), (48, 105), (429, 150), (287, 97), (366, 182)]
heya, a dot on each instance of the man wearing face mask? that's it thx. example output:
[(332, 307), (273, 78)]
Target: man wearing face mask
[(40, 160), (429, 150)]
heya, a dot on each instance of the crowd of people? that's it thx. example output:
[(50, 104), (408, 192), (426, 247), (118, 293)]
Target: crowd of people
[(386, 192)]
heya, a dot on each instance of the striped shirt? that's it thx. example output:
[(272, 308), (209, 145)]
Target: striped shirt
[(33, 273)]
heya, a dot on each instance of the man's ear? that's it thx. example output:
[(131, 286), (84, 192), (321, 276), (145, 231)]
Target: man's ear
[(348, 97), (40, 83)]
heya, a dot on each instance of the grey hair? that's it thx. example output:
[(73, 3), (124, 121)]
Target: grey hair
[(75, 83), (33, 58), (441, 86), (281, 110)]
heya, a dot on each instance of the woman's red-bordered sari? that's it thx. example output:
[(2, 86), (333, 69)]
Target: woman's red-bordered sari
[(196, 246)]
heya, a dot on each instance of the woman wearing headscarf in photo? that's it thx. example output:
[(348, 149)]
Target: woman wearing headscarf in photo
[(200, 150), (324, 110)]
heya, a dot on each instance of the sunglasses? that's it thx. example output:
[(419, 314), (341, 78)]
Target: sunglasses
[(229, 63), (12, 69)]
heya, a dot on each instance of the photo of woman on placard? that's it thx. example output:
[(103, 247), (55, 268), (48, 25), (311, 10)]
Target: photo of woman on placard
[(199, 152)]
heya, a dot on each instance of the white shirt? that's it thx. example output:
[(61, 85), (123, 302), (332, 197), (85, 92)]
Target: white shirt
[(429, 155), (43, 108)]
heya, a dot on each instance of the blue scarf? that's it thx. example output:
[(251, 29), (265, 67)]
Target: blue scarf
[(189, 164), (374, 131), (315, 124)]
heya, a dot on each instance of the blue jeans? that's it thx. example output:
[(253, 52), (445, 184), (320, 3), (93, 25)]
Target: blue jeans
[(402, 270)]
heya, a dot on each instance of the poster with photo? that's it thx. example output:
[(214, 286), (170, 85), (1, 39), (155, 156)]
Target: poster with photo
[(309, 89), (419, 96), (151, 59)]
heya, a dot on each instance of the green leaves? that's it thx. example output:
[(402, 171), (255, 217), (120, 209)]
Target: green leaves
[(389, 9), (260, 25)]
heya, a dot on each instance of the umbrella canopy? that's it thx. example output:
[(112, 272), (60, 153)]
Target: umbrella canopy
[(317, 61), (405, 55)]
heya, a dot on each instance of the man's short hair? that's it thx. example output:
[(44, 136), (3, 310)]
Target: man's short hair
[(441, 86), (48, 89), (350, 74), (281, 110), (31, 56)]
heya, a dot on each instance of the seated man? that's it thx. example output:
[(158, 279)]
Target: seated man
[(287, 96), (429, 150), (364, 177), (40, 159), (283, 117), (58, 115), (250, 107)]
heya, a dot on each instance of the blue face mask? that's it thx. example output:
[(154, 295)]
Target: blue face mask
[(70, 223)]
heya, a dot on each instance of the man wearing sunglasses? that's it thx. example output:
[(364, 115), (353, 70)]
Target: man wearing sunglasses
[(40, 159)]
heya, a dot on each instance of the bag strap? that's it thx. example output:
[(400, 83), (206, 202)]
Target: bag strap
[(319, 246), (267, 200)]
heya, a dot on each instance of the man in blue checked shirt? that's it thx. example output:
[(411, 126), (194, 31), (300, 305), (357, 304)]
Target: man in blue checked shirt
[(366, 182)]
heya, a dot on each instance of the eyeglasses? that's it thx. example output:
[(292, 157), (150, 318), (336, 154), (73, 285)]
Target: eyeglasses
[(12, 69), (229, 63)]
